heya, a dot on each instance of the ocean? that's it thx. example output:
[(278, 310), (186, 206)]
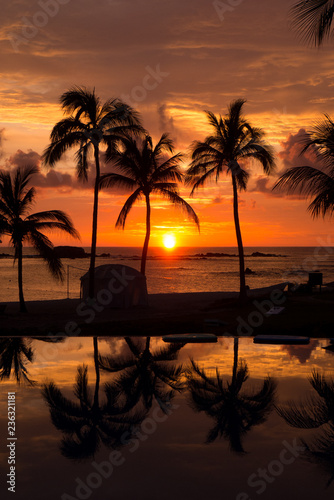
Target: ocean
[(202, 269)]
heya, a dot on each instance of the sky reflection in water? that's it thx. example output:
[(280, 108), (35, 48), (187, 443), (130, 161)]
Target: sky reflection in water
[(151, 420)]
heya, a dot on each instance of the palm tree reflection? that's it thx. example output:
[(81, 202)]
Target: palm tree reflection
[(233, 411), (146, 375), (88, 423), (16, 353), (315, 413)]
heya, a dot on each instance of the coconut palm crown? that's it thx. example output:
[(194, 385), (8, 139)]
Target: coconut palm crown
[(315, 182)]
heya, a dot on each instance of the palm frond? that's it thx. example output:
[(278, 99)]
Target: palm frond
[(176, 199), (45, 248), (313, 19), (121, 220)]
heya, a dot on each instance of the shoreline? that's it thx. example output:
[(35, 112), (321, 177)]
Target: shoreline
[(306, 315)]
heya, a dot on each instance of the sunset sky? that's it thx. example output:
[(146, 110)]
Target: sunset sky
[(170, 60)]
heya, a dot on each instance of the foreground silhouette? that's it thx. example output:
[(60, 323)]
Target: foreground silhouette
[(16, 200), (144, 168), (234, 411), (145, 375), (87, 424), (313, 19), (316, 412), (16, 353), (317, 182), (233, 141), (89, 125)]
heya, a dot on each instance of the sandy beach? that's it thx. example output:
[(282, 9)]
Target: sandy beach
[(175, 313)]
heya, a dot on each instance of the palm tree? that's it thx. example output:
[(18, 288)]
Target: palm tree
[(146, 375), (233, 141), (16, 200), (313, 19), (88, 125), (145, 168), (317, 412), (233, 411), (315, 181), (88, 423), (15, 352)]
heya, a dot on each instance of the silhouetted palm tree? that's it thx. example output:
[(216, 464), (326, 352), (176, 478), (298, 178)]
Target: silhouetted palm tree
[(313, 19), (233, 141), (89, 125), (315, 181), (317, 412), (16, 200), (89, 423), (15, 352), (234, 412), (145, 168), (146, 375)]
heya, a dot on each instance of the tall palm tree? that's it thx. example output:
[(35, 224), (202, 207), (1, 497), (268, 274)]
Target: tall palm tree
[(233, 411), (313, 19), (145, 375), (317, 412), (317, 182), (143, 167), (233, 141), (89, 124), (16, 200), (88, 423)]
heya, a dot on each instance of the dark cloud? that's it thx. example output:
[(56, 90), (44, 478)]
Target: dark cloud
[(302, 353), (22, 159), (292, 155)]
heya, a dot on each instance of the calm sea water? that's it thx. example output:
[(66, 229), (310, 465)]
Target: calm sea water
[(165, 456), (178, 270)]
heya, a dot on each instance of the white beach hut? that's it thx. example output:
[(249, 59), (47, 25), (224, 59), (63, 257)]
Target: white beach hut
[(117, 286)]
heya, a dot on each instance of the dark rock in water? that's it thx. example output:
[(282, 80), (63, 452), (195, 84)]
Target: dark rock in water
[(260, 254), (68, 252), (215, 254), (249, 271), (104, 255)]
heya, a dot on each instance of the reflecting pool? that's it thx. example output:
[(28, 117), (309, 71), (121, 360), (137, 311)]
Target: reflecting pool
[(125, 418)]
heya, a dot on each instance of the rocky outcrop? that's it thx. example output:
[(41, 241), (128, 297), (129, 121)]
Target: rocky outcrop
[(68, 252)]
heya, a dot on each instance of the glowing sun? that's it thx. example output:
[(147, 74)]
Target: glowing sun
[(169, 241)]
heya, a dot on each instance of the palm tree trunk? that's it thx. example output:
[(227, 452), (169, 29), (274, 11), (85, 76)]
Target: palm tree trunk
[(147, 237), (242, 293), (97, 372), (91, 283), (20, 277)]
